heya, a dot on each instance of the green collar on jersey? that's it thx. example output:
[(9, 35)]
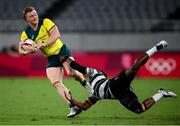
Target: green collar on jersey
[(31, 33)]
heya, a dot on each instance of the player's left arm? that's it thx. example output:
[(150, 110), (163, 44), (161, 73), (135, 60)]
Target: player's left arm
[(82, 69), (54, 33)]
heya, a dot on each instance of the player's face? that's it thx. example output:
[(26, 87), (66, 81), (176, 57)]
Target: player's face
[(32, 17)]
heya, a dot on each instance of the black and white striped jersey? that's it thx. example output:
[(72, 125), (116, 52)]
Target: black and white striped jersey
[(99, 85)]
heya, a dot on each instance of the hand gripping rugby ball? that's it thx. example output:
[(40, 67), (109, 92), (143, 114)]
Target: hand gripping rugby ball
[(29, 42)]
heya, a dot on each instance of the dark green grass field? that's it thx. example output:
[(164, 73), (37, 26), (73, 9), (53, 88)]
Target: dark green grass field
[(34, 101)]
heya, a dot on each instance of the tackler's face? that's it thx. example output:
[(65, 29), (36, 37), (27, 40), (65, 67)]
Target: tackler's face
[(32, 17)]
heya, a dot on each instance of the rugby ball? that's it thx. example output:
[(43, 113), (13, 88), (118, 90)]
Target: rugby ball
[(28, 42)]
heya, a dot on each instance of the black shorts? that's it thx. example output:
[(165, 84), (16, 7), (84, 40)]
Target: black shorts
[(54, 61), (120, 84), (120, 87)]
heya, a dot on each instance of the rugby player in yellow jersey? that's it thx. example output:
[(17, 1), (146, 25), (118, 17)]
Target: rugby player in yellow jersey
[(47, 38)]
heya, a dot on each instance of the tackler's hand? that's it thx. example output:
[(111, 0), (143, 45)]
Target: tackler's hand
[(68, 96)]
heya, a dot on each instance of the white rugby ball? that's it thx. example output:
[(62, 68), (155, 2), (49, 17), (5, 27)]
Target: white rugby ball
[(28, 42)]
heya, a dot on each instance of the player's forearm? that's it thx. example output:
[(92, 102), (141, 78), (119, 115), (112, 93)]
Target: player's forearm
[(78, 67), (52, 39), (82, 69), (86, 105)]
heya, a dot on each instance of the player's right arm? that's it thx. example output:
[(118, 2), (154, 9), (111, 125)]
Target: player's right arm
[(82, 105), (24, 50), (85, 105)]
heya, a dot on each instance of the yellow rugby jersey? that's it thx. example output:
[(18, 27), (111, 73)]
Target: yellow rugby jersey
[(42, 33)]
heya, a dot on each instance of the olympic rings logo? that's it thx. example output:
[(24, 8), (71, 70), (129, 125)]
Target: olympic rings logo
[(160, 66)]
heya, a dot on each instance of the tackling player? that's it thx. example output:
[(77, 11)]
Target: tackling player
[(47, 38), (119, 87)]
